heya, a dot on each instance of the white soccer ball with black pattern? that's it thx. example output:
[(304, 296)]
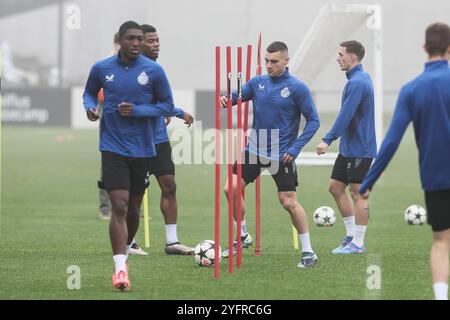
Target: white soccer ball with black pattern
[(204, 254), (415, 215), (324, 216)]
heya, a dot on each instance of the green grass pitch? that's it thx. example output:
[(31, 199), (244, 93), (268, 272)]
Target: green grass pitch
[(49, 221)]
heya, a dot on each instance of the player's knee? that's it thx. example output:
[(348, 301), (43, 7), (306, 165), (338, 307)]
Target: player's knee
[(355, 195), (226, 189), (288, 203), (334, 189), (169, 190), (119, 207)]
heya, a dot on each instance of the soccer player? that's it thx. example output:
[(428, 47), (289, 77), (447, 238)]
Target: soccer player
[(130, 82), (426, 102), (279, 100), (355, 125), (105, 202), (162, 165)]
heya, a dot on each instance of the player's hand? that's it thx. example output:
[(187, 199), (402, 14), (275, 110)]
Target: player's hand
[(93, 114), (188, 119), (366, 194), (168, 119), (321, 148), (287, 158), (125, 109), (223, 101)]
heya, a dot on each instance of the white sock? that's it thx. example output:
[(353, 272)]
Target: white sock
[(129, 248), (243, 227), (440, 291), (360, 231), (171, 233), (306, 242), (119, 262), (349, 223)]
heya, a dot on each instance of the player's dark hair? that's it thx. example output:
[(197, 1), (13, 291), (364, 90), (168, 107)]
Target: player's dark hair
[(128, 25), (437, 39), (147, 28), (354, 47), (277, 46)]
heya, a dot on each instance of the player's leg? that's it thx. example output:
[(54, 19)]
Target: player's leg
[(116, 177), (104, 202), (337, 187), (250, 170), (356, 171), (169, 209), (439, 263), (168, 203), (118, 232), (133, 218), (139, 181), (361, 215), (285, 177), (437, 204)]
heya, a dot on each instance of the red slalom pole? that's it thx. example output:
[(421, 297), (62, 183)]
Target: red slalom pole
[(239, 157), (230, 162), (258, 181), (217, 176), (247, 78)]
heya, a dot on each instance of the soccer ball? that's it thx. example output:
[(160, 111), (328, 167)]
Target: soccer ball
[(415, 215), (324, 216), (204, 253)]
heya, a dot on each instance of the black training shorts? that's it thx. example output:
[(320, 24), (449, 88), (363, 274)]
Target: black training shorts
[(162, 164), (438, 204), (124, 173), (350, 170), (284, 174)]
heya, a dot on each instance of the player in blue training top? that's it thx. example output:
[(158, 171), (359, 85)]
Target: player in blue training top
[(426, 102), (162, 165), (130, 82), (355, 125), (279, 100)]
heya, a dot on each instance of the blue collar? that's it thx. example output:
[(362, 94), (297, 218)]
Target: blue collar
[(431, 65), (352, 71)]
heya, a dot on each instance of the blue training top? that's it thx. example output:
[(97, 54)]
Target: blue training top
[(426, 101), (355, 123), (278, 103), (139, 82)]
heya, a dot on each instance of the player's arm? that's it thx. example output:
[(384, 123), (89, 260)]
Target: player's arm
[(247, 94), (164, 106), (91, 89), (186, 116), (348, 109), (398, 126), (306, 107)]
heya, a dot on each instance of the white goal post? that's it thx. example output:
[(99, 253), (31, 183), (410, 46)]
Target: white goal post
[(334, 24)]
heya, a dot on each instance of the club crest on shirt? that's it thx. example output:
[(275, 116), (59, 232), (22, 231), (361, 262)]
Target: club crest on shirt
[(285, 92), (142, 78), (109, 78), (261, 87)]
